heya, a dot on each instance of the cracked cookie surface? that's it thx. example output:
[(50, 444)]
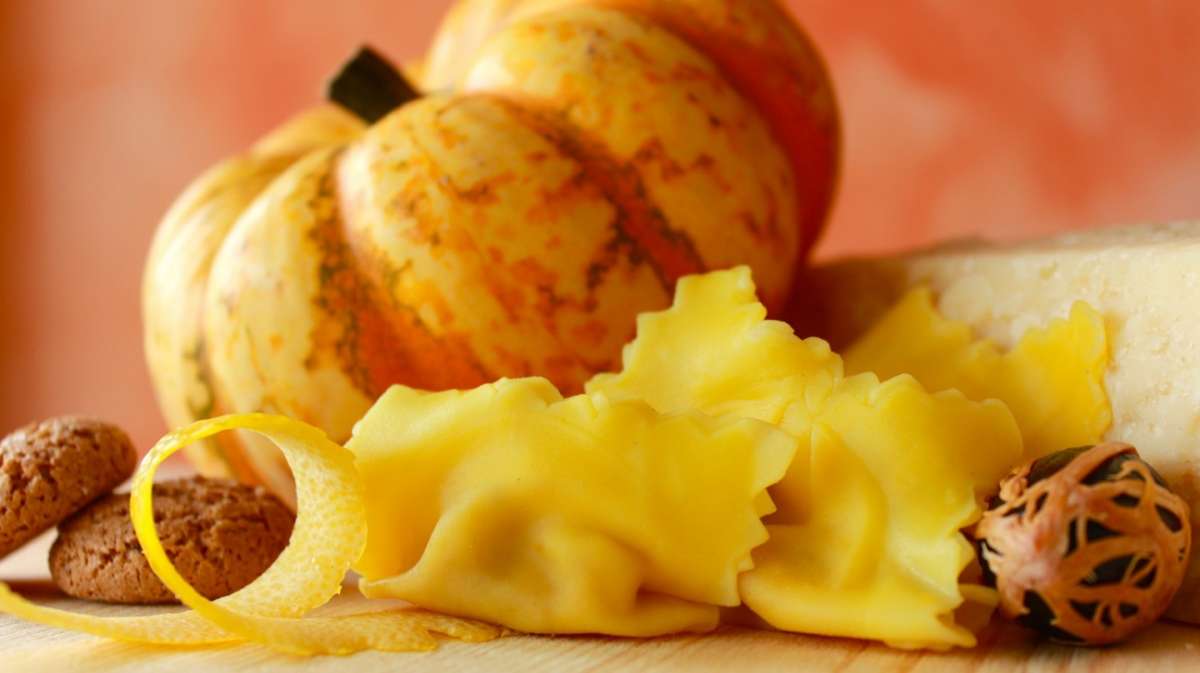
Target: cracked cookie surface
[(52, 469), (219, 534)]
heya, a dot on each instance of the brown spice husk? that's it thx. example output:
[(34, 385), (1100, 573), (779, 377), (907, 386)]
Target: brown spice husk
[(1028, 536)]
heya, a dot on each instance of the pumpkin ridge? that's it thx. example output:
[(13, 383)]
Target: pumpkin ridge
[(807, 140), (562, 366), (658, 103), (246, 177), (372, 350), (638, 226), (482, 193), (181, 255)]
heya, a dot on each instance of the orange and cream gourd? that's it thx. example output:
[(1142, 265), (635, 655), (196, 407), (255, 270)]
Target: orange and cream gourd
[(571, 161)]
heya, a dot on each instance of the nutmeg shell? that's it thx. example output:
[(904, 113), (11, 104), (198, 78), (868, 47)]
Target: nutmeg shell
[(1086, 545)]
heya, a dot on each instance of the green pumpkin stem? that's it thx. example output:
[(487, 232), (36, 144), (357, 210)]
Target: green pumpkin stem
[(370, 86)]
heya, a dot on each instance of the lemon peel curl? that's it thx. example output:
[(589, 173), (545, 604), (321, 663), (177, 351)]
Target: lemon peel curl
[(329, 535)]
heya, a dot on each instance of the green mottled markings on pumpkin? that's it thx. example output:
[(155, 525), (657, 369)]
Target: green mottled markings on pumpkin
[(374, 348), (641, 233)]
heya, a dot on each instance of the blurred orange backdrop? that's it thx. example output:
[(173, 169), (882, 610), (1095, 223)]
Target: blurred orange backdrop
[(1003, 119)]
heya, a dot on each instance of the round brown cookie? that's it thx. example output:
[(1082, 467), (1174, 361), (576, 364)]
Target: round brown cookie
[(220, 535), (52, 469)]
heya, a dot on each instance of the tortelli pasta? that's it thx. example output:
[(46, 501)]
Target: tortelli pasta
[(1052, 379), (633, 509), (511, 504), (866, 541)]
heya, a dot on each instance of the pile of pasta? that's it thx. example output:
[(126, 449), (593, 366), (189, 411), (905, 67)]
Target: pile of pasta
[(730, 463)]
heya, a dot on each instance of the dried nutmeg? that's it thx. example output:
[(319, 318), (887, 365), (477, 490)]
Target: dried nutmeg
[(1086, 545)]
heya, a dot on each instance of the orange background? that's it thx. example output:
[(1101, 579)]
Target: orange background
[(1003, 119)]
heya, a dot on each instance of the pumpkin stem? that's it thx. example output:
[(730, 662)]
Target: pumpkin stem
[(370, 86)]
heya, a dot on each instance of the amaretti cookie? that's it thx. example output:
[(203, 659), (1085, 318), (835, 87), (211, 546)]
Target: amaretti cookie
[(219, 534), (52, 469)]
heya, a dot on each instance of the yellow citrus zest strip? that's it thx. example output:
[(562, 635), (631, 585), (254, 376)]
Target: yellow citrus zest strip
[(329, 535)]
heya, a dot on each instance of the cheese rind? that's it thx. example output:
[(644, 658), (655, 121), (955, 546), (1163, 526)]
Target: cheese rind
[(1144, 281)]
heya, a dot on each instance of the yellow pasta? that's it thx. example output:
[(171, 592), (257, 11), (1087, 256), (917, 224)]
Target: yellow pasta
[(511, 504), (1052, 379), (866, 541)]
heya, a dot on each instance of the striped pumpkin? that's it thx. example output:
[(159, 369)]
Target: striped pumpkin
[(573, 159)]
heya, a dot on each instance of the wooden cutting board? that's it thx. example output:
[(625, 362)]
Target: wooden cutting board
[(29, 647)]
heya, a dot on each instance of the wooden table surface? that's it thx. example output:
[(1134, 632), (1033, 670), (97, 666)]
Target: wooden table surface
[(30, 647)]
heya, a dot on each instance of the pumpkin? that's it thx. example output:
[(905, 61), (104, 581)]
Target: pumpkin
[(571, 161)]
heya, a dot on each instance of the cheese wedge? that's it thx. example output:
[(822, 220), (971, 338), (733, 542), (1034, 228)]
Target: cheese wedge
[(1143, 280)]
